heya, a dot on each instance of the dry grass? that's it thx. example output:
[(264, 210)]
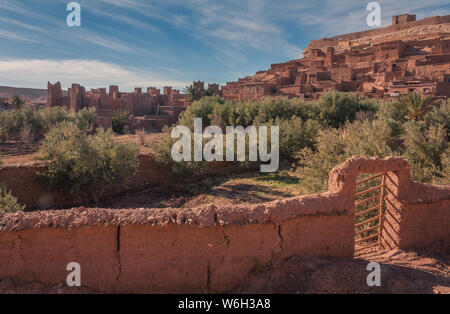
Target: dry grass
[(250, 188), (144, 140)]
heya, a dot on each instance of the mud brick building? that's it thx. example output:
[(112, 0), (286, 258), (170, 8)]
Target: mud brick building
[(387, 62), (408, 55), (149, 110)]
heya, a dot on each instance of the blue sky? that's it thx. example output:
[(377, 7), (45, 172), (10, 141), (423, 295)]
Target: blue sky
[(172, 42)]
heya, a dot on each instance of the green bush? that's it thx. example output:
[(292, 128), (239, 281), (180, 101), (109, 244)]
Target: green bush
[(27, 124), (119, 121), (334, 146), (240, 113), (336, 108), (439, 116), (324, 133), (314, 165), (392, 118), (14, 122), (182, 169), (332, 109), (54, 115), (8, 203), (85, 164), (425, 149), (296, 134)]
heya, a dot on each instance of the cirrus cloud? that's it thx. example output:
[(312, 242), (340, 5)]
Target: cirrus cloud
[(90, 73)]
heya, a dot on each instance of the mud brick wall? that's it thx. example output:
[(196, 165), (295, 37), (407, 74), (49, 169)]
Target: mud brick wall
[(417, 215), (21, 180), (213, 249), (197, 250)]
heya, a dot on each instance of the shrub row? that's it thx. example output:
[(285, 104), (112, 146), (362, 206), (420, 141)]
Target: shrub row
[(85, 165), (299, 121), (423, 143), (27, 124), (321, 134)]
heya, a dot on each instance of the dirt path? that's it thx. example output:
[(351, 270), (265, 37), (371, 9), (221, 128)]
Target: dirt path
[(401, 272)]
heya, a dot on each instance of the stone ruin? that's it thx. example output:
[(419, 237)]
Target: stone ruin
[(383, 63), (148, 110)]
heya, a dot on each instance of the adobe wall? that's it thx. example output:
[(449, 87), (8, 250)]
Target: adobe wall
[(417, 215), (21, 180), (196, 250), (212, 249), (155, 122)]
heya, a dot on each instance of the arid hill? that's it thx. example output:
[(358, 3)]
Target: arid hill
[(409, 55), (32, 94)]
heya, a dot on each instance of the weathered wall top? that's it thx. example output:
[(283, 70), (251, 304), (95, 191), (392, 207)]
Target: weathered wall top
[(338, 200)]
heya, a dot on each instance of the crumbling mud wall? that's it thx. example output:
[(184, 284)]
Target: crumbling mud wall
[(211, 249), (417, 215), (170, 250), (22, 181)]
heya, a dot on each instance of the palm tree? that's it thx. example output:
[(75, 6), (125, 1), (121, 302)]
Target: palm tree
[(415, 105), (17, 101), (191, 91), (209, 92)]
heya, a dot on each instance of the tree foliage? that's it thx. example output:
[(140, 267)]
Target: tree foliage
[(84, 164)]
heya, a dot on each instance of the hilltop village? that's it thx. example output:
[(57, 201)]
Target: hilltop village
[(384, 63), (381, 63)]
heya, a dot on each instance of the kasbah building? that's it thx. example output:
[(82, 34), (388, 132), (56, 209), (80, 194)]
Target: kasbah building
[(382, 63)]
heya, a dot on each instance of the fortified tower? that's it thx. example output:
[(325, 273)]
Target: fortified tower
[(76, 97), (54, 95), (403, 19), (200, 86)]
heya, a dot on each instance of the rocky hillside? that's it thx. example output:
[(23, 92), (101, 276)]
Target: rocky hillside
[(35, 95)]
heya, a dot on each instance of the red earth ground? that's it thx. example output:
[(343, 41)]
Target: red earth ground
[(401, 272)]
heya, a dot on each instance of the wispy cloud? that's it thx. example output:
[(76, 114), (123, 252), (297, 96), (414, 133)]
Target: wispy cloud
[(334, 17), (23, 25), (178, 38), (16, 37), (170, 70), (91, 73), (239, 24)]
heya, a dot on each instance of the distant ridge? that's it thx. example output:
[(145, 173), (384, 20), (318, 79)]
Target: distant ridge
[(32, 94)]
